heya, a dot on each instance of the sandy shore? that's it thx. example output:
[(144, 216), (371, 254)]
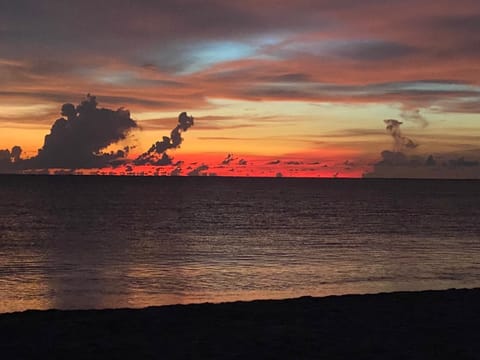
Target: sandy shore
[(408, 325)]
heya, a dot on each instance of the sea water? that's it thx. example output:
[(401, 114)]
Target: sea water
[(73, 242)]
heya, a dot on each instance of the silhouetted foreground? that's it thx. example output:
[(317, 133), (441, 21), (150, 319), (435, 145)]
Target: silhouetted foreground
[(408, 325)]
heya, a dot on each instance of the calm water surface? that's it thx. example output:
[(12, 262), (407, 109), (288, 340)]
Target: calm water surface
[(96, 242)]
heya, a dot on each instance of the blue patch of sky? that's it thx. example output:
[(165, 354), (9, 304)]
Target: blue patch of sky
[(191, 58), (204, 55)]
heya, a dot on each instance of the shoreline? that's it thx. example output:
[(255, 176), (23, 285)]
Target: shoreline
[(433, 324)]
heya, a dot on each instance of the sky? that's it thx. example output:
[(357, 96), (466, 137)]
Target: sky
[(322, 88)]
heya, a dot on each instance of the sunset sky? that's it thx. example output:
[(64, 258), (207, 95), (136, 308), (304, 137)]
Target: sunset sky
[(291, 88)]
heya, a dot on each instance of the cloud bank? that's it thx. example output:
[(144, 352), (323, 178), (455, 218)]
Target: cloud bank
[(401, 163), (79, 138)]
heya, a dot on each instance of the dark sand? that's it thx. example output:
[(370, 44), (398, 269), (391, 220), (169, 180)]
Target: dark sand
[(408, 325)]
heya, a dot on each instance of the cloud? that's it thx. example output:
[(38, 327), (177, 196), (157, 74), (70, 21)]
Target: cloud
[(401, 142), (176, 172), (228, 159), (462, 105), (15, 153), (287, 78), (157, 154), (375, 51), (10, 159), (285, 43), (199, 171), (414, 116), (399, 164), (393, 158), (461, 162), (6, 164), (77, 139)]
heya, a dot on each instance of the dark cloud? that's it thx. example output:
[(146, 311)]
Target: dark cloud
[(242, 162), (157, 154), (465, 23), (176, 172), (461, 162), (399, 165), (430, 161), (5, 161), (419, 94), (461, 33), (10, 160), (15, 153), (77, 139), (392, 161), (106, 26), (228, 159), (393, 158), (463, 105), (288, 78), (375, 50), (401, 142), (199, 171)]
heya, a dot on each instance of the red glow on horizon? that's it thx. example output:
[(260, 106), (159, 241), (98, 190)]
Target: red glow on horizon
[(215, 165)]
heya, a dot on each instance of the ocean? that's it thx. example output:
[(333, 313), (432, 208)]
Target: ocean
[(81, 242)]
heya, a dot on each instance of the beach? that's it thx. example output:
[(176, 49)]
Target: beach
[(400, 325)]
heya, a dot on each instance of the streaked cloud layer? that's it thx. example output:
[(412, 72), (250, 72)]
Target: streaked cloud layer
[(284, 80)]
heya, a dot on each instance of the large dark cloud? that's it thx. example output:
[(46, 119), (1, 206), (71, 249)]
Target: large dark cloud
[(77, 139)]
